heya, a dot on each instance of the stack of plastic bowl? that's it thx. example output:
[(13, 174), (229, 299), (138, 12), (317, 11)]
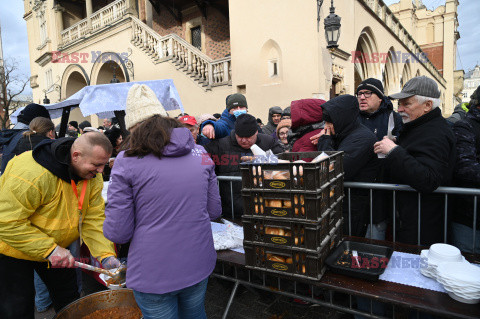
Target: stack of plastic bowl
[(461, 280), (437, 254)]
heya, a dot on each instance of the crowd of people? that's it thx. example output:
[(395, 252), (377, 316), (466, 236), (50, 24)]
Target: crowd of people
[(163, 190)]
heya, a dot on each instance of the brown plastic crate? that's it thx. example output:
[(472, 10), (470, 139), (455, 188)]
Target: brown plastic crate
[(286, 233), (336, 235), (301, 264), (292, 176), (335, 212), (285, 204)]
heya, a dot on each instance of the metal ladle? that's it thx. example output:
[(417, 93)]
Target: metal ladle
[(118, 276)]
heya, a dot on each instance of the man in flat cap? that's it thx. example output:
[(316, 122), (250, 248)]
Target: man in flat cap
[(423, 158)]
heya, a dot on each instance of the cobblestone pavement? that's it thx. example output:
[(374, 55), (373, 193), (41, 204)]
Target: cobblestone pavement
[(250, 304)]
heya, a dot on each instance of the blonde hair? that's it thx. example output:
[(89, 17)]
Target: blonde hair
[(40, 126)]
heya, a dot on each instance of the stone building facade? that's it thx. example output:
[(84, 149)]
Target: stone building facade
[(273, 51)]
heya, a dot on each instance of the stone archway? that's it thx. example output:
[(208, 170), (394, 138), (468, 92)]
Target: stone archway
[(391, 76), (406, 73), (74, 80), (366, 56), (106, 71), (105, 66)]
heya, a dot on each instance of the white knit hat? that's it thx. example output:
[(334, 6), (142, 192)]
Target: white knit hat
[(142, 103)]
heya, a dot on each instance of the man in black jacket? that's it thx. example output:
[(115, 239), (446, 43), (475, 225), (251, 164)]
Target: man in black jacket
[(344, 132), (423, 159), (376, 113), (467, 174), (226, 153)]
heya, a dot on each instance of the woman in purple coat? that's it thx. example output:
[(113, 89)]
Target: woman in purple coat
[(162, 196)]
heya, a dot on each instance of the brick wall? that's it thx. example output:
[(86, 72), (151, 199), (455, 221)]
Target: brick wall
[(215, 27), (435, 54), (217, 34), (165, 23)]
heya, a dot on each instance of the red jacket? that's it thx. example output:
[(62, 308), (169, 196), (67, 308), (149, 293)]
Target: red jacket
[(304, 113)]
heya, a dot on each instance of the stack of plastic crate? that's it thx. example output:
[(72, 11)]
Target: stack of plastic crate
[(292, 213)]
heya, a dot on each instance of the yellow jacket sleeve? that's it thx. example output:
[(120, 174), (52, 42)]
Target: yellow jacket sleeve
[(92, 226), (18, 202)]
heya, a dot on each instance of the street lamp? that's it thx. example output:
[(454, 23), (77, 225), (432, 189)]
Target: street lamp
[(114, 79), (46, 100), (332, 28)]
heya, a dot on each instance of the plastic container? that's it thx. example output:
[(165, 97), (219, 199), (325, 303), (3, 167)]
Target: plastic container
[(372, 261), (293, 176), (336, 212), (285, 261), (287, 204), (286, 233)]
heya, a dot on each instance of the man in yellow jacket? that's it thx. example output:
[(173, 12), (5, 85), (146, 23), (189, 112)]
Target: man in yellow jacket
[(49, 197)]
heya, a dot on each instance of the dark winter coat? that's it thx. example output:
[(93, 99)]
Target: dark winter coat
[(270, 128), (8, 142), (467, 168), (377, 121), (226, 154), (424, 159), (307, 120), (360, 163), (27, 143)]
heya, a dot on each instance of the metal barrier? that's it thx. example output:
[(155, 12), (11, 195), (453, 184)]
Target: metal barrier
[(348, 186), (310, 293)]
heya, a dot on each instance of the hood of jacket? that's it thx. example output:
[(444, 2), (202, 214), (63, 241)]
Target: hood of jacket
[(271, 111), (342, 111), (54, 155), (306, 111), (181, 143)]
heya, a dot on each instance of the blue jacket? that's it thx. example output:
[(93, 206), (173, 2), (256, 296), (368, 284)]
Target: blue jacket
[(224, 125)]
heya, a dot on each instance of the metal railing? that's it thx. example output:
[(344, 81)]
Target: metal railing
[(348, 186)]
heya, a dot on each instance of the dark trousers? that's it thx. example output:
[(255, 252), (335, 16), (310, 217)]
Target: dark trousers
[(17, 291)]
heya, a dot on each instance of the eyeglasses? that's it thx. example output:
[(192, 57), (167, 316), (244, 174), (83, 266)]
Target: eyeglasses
[(366, 94), (283, 134)]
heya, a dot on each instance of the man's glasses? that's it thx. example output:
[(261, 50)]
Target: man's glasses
[(283, 134), (366, 94)]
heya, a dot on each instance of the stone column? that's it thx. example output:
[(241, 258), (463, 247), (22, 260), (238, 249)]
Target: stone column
[(89, 8), (148, 13), (59, 22), (131, 7)]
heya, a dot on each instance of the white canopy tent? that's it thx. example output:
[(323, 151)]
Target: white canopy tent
[(109, 100)]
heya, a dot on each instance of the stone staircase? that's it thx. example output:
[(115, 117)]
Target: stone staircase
[(202, 69)]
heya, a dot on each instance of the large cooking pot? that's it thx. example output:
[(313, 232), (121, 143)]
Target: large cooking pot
[(101, 300)]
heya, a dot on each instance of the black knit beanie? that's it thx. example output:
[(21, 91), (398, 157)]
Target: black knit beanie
[(32, 111), (246, 125), (373, 85)]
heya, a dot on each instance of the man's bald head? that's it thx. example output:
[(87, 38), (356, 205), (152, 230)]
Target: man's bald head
[(89, 154), (86, 142)]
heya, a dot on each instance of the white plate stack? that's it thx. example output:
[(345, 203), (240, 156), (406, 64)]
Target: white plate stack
[(446, 264), (437, 254), (461, 280)]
